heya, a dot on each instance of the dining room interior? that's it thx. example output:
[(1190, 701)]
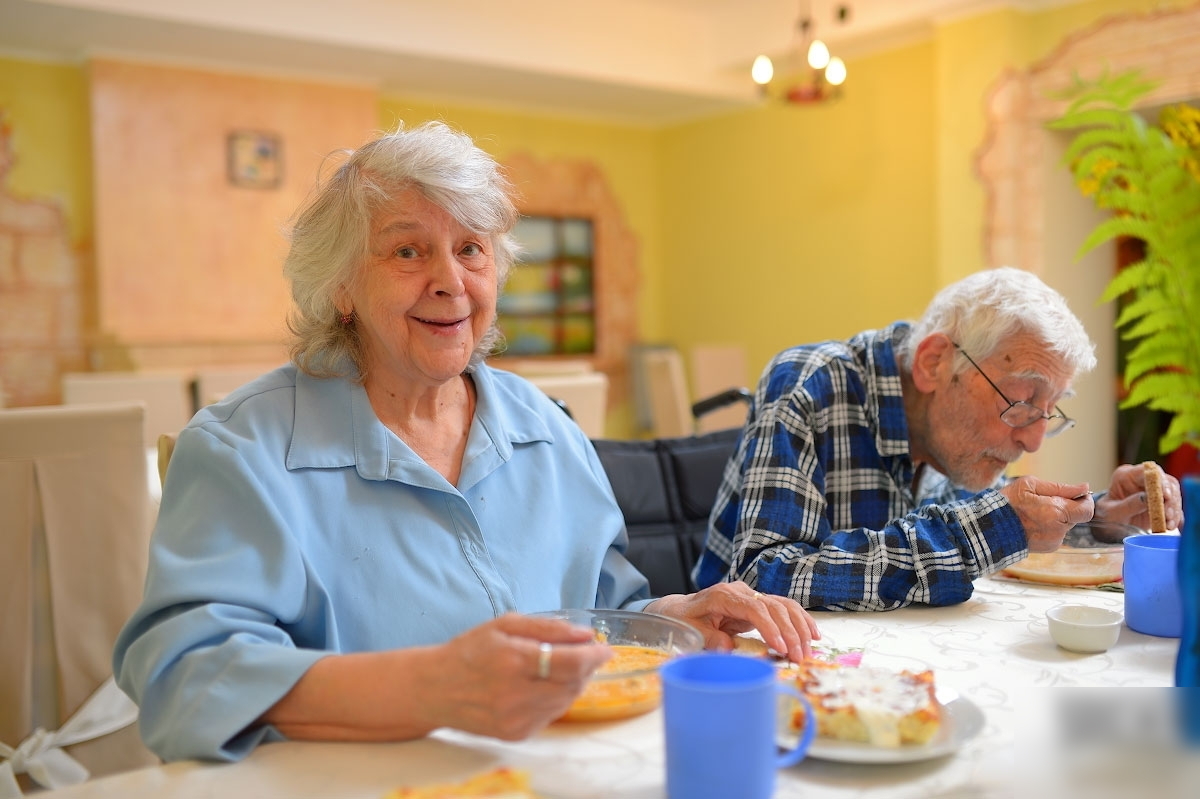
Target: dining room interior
[(721, 215), (152, 151)]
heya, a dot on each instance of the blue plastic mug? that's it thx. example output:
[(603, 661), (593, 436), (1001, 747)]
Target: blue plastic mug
[(719, 715), (1153, 604)]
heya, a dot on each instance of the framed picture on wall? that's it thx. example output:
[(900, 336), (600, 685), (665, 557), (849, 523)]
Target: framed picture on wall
[(255, 159)]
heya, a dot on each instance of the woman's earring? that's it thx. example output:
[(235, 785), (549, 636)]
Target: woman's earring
[(347, 319)]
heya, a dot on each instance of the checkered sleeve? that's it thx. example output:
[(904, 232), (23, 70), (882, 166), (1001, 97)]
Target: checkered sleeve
[(809, 508)]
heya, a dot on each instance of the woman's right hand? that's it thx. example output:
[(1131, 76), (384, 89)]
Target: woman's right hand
[(486, 681)]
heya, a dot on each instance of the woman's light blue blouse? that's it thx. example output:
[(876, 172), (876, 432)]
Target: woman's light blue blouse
[(294, 524)]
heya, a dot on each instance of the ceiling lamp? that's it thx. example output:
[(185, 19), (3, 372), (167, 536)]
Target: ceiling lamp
[(826, 73)]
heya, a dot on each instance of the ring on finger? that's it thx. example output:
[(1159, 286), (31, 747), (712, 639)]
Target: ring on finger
[(543, 665)]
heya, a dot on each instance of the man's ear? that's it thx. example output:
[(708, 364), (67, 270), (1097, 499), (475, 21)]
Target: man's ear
[(933, 363)]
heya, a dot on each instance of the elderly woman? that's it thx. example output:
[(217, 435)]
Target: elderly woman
[(346, 545)]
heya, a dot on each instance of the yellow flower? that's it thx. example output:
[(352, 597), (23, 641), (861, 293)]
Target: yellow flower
[(1182, 124)]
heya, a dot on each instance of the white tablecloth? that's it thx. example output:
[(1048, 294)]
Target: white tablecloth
[(994, 650)]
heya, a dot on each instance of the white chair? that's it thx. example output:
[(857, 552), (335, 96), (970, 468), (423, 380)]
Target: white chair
[(214, 382), (672, 410), (75, 531), (167, 396), (666, 386), (531, 367), (585, 394), (716, 368)]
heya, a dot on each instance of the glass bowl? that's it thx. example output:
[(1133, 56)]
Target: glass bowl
[(1092, 553), (628, 684)]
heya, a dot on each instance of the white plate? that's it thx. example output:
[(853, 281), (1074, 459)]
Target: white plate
[(962, 720)]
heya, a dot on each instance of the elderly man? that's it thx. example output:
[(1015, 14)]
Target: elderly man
[(870, 472)]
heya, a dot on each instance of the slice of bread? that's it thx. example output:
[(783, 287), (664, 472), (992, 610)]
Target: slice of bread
[(870, 705), (1154, 497)]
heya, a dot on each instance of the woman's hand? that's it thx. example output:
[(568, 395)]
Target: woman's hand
[(485, 681), (726, 609), (1126, 499)]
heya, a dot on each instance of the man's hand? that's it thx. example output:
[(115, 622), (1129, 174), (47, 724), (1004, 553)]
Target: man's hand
[(1048, 510), (1126, 500)]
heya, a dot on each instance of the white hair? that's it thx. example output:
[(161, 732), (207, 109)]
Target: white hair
[(986, 309)]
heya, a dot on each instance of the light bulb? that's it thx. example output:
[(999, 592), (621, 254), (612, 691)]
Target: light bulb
[(762, 71), (835, 73), (818, 54)]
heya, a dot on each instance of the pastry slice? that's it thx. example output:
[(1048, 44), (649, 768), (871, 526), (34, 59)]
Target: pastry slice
[(869, 705)]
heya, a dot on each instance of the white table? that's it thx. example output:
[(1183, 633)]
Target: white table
[(994, 649)]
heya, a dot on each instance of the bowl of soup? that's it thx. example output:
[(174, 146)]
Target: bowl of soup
[(628, 684)]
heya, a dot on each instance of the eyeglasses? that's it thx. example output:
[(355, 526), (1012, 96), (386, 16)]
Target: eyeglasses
[(1023, 414)]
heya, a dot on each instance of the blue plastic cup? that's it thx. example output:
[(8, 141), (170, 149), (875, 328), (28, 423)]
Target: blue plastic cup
[(719, 715), (1153, 604)]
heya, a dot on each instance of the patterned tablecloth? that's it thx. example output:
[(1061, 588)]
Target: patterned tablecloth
[(994, 651)]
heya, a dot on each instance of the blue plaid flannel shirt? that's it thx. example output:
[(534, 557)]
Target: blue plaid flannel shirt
[(816, 502)]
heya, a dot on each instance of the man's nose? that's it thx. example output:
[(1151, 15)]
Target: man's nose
[(1030, 438)]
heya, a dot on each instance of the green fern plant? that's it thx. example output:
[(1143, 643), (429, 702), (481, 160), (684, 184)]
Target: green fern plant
[(1151, 183)]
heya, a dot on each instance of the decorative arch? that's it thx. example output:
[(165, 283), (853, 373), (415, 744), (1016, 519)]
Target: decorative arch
[(579, 188), (1165, 45)]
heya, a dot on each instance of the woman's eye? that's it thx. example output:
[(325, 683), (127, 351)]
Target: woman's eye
[(472, 249), (406, 252)]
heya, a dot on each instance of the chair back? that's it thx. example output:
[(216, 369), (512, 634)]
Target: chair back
[(75, 531), (214, 382), (585, 394), (167, 396), (717, 368), (667, 390)]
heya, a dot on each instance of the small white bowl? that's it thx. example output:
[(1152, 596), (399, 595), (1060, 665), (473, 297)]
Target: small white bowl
[(1080, 628)]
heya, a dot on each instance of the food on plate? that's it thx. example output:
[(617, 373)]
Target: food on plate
[(626, 685), (499, 783), (1069, 566), (866, 704), (755, 647), (1154, 497)]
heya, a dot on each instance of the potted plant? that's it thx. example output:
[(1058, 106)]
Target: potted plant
[(1148, 175)]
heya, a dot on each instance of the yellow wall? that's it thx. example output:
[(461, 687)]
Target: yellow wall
[(794, 223), (47, 108), (972, 56)]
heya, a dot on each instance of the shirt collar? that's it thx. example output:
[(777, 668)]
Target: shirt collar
[(882, 374), (335, 427)]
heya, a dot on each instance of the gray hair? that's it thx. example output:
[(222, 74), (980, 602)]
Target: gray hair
[(330, 237), (985, 309)]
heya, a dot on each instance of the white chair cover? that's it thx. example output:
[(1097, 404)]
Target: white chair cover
[(666, 385), (214, 382), (166, 395), (715, 368), (74, 530), (585, 394)]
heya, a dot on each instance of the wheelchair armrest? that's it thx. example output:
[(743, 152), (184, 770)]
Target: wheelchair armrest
[(718, 401)]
